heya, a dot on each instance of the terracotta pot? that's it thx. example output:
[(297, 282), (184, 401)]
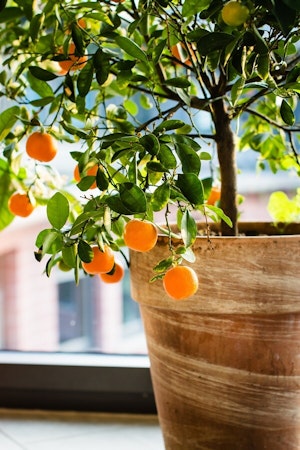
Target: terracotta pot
[(225, 364)]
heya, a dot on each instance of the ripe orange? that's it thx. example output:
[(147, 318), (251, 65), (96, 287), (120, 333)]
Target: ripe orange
[(180, 282), (20, 205), (102, 262), (234, 13), (73, 62), (214, 195), (140, 235), (92, 171), (41, 146), (115, 275)]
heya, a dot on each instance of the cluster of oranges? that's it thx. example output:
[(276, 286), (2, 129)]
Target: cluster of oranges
[(180, 282), (41, 147), (105, 265)]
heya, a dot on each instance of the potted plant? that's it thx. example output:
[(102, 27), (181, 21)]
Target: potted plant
[(132, 84)]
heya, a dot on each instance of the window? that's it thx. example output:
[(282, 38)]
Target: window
[(67, 347)]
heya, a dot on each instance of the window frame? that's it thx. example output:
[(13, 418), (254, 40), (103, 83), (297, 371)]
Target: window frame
[(80, 382)]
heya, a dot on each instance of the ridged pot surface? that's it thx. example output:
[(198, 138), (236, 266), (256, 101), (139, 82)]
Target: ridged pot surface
[(225, 364)]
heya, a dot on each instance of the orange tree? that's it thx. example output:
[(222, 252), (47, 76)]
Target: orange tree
[(146, 91)]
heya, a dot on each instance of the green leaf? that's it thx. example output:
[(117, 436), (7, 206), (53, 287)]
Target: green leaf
[(150, 143), (188, 229), (69, 255), (5, 191), (133, 198), (115, 203), (191, 187), (284, 209), (58, 210), (42, 74), (168, 125), (167, 157), (51, 241), (237, 90), (263, 66), (293, 4), (85, 78), (286, 112), (189, 159), (160, 197), (35, 25), (85, 251), (180, 82), (191, 7), (213, 41), (7, 120), (131, 48)]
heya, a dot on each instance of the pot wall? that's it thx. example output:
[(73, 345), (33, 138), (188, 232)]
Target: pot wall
[(225, 364)]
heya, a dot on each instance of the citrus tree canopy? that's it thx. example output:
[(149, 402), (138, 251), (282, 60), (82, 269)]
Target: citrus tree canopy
[(147, 91)]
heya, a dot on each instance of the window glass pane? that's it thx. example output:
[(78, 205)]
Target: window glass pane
[(54, 314)]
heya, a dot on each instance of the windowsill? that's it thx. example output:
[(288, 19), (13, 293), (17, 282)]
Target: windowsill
[(82, 382), (74, 359), (36, 430)]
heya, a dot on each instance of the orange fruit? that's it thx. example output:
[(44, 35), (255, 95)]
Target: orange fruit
[(73, 62), (214, 195), (41, 146), (140, 235), (234, 13), (115, 275), (180, 282), (20, 205), (92, 171), (102, 262), (118, 1)]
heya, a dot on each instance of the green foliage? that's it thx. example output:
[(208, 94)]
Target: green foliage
[(284, 209), (132, 108)]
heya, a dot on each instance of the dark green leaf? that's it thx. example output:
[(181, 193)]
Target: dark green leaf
[(286, 112), (85, 78), (131, 48), (150, 143), (191, 187), (35, 25), (58, 210), (133, 198), (293, 4), (168, 125), (85, 251), (285, 15), (213, 41), (42, 74), (115, 203), (77, 39), (155, 166), (42, 101), (180, 82), (2, 4), (263, 66)]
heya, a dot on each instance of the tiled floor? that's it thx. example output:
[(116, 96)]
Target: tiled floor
[(42, 430)]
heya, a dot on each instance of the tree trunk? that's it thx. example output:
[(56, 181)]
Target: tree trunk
[(227, 161)]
